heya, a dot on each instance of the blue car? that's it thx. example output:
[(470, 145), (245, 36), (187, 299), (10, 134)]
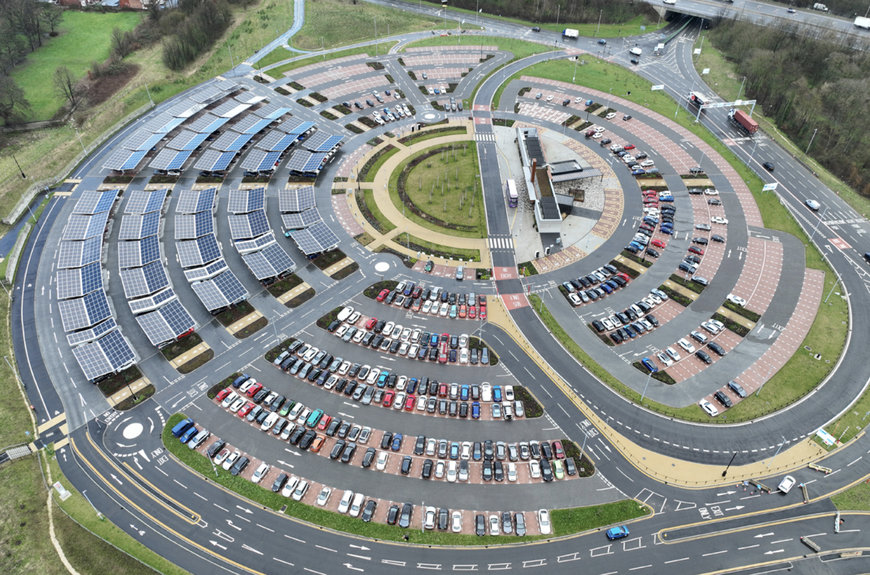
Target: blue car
[(638, 172), (188, 435), (496, 393), (475, 410), (647, 363), (617, 532), (397, 442), (464, 391)]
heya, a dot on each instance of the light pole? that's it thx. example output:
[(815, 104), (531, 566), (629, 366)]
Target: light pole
[(740, 91), (777, 451), (815, 229), (600, 12), (729, 464), (813, 137), (643, 395), (574, 77)]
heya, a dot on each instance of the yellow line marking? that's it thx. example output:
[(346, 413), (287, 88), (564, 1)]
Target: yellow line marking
[(51, 423), (780, 561), (193, 519), (157, 521)]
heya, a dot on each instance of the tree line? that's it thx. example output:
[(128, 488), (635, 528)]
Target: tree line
[(810, 86), (561, 11)]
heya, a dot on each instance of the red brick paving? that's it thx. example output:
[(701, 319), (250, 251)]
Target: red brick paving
[(515, 300), (761, 272), (344, 216)]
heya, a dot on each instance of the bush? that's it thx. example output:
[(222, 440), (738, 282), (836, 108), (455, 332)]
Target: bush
[(326, 319), (737, 328), (196, 32), (742, 311), (373, 290), (530, 403), (676, 296), (319, 97)]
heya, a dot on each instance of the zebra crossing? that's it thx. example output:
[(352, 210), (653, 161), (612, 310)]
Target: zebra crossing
[(501, 243), (484, 137)]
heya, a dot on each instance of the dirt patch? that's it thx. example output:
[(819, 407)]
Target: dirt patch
[(101, 89)]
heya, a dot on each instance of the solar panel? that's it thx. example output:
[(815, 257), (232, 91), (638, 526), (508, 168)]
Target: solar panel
[(270, 262), (187, 140), (74, 254), (220, 291), (231, 141), (260, 160), (162, 122), (151, 302), (230, 109), (225, 86), (214, 91), (139, 282), (296, 200), (207, 124), (138, 253), (184, 109), (82, 227), (214, 160), (193, 201), (122, 160), (315, 239), (109, 354), (168, 159), (192, 226), (142, 140), (250, 225), (272, 111), (166, 323), (276, 141), (91, 334), (198, 252), (244, 125), (244, 201), (95, 202), (203, 273), (314, 163), (76, 282), (136, 227), (143, 202), (298, 160), (322, 142), (83, 312), (256, 244), (296, 126), (300, 220)]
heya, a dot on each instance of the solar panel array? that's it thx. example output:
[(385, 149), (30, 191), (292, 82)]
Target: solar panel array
[(137, 253), (231, 141), (187, 140), (145, 202), (276, 141), (255, 244), (230, 109), (306, 163), (79, 253), (192, 226), (93, 333), (322, 142), (251, 124), (95, 202), (244, 201), (142, 140), (315, 238), (272, 261), (109, 354), (122, 160), (272, 111), (166, 323), (295, 221), (247, 226), (296, 199), (208, 123), (168, 159), (82, 227), (136, 227), (83, 312), (297, 127), (214, 160), (260, 160), (76, 282), (201, 255), (194, 201), (151, 302), (144, 280)]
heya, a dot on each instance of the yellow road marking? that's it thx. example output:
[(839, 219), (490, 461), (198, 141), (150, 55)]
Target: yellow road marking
[(51, 423)]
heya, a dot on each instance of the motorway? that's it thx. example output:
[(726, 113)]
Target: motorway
[(204, 529)]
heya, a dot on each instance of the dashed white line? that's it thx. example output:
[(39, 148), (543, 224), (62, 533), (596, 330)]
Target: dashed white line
[(782, 541), (715, 553), (676, 560), (326, 548), (748, 547), (294, 538), (266, 528), (282, 561), (640, 567)]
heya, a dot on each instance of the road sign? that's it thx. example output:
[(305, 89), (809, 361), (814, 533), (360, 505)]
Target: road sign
[(658, 87), (769, 187)]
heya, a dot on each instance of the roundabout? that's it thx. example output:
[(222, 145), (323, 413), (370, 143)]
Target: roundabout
[(394, 391)]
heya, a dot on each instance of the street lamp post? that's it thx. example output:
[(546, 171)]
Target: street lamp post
[(813, 137), (729, 464), (643, 395), (815, 229)]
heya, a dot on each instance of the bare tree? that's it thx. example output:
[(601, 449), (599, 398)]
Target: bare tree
[(52, 15), (65, 84), (13, 103)]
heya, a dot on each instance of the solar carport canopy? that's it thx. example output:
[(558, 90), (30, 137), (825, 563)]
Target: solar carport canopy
[(244, 201), (220, 291), (192, 226), (193, 201), (76, 282), (271, 261), (296, 200), (250, 225), (108, 354), (214, 160), (166, 323), (82, 227), (74, 254), (136, 227), (198, 252), (83, 312), (144, 202), (314, 239)]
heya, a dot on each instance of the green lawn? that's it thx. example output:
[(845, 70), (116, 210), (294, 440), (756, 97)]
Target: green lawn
[(84, 37), (856, 498), (278, 71), (431, 248), (445, 186), (519, 48)]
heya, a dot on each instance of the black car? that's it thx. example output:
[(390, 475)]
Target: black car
[(479, 525), (393, 515), (717, 349), (768, 166), (405, 517), (347, 453), (704, 356), (717, 238), (369, 457), (386, 440), (337, 449), (239, 465), (406, 465), (443, 518), (420, 445), (498, 471), (700, 241), (215, 447), (428, 464), (507, 526), (296, 435), (737, 388), (652, 253), (463, 409), (279, 482), (570, 468), (487, 470), (722, 398), (546, 470)]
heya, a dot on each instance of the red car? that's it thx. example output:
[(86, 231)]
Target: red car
[(659, 244), (628, 147), (624, 276), (317, 444), (222, 394), (558, 451), (443, 390), (463, 310), (482, 313), (410, 402), (246, 409), (696, 250), (388, 399), (472, 312), (252, 391), (382, 296), (371, 323), (324, 422)]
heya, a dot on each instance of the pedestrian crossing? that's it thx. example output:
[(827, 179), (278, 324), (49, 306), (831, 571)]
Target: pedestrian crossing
[(501, 243), (484, 137)]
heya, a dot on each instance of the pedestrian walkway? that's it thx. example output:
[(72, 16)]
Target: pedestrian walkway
[(128, 390)]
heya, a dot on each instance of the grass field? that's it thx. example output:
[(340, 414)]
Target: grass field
[(565, 521), (278, 71), (454, 198), (84, 37), (856, 498), (519, 48), (415, 243)]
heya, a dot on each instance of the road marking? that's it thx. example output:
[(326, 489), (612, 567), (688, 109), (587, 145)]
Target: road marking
[(470, 567), (266, 528), (249, 548), (429, 566), (326, 548), (294, 538), (359, 556), (714, 553), (282, 561), (676, 560), (534, 563), (748, 547), (568, 557), (640, 567), (498, 566), (782, 541)]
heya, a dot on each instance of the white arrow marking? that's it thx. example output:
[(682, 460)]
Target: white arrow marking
[(760, 535), (735, 508), (282, 462), (115, 477), (774, 552), (245, 509), (249, 548), (216, 544), (725, 493), (349, 566), (360, 547)]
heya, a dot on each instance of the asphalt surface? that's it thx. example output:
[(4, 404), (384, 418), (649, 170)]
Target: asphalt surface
[(204, 529)]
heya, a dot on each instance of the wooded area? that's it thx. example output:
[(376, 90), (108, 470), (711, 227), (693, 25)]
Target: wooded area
[(847, 8), (806, 84), (577, 11)]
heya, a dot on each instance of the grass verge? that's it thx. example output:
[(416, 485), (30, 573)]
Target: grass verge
[(136, 399), (326, 259), (431, 248), (301, 298), (570, 520), (283, 285), (530, 402), (856, 498), (177, 348), (196, 362), (233, 314), (418, 137), (278, 71), (370, 169), (368, 207)]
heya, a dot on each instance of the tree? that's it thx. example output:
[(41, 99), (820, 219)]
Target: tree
[(65, 84), (13, 104), (52, 15)]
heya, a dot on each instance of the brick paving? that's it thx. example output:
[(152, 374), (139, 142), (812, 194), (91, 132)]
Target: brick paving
[(761, 273), (354, 86), (545, 113), (458, 48), (330, 71), (341, 209)]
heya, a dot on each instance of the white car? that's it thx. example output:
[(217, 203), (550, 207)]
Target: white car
[(466, 451), (534, 469), (401, 383), (463, 340), (356, 505), (463, 355), (383, 458), (610, 116), (647, 163), (427, 307), (544, 521), (354, 317), (344, 313), (260, 473), (388, 329), (550, 98), (323, 496), (439, 470), (344, 504), (237, 405), (221, 457), (451, 472), (403, 348), (575, 299), (309, 355), (486, 392), (290, 486), (494, 528), (663, 357), (736, 300), (373, 376), (512, 472), (269, 421), (442, 311), (684, 343), (813, 205), (228, 462), (709, 408), (421, 403), (508, 391), (399, 401), (597, 135), (415, 335), (429, 518), (406, 334), (786, 484), (431, 446), (230, 399), (711, 192), (456, 522), (719, 220), (608, 325), (342, 329)]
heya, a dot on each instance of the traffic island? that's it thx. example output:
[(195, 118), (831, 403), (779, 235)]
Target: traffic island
[(291, 291), (242, 320), (188, 353)]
